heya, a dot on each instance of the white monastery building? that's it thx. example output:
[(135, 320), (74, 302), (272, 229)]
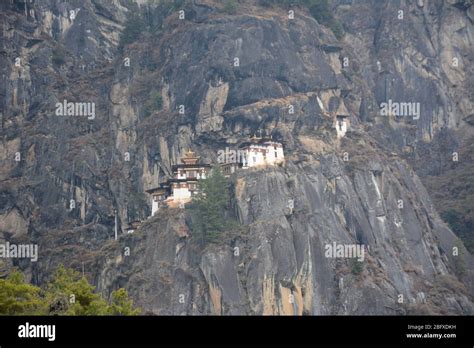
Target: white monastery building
[(341, 121), (342, 125), (261, 152), (179, 189)]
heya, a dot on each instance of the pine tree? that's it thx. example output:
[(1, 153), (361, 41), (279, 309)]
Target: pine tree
[(70, 288), (68, 293), (210, 203), (121, 304), (18, 297)]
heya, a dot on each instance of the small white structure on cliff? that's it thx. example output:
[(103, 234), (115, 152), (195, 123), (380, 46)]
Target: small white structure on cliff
[(342, 125), (261, 152)]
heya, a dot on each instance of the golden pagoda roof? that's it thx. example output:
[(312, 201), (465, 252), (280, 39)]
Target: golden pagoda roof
[(190, 154), (190, 157)]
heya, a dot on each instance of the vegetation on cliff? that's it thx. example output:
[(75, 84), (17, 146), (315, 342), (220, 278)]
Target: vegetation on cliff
[(319, 9), (134, 26), (209, 207), (68, 293)]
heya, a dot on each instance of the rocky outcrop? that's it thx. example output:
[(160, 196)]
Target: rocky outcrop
[(420, 52), (277, 265)]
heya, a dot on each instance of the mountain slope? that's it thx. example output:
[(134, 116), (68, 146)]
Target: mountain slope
[(344, 190)]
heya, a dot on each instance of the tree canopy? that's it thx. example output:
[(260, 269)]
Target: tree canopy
[(68, 293), (18, 297), (210, 202)]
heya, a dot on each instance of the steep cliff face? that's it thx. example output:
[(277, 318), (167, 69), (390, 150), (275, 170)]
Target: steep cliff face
[(277, 263), (222, 78), (421, 52)]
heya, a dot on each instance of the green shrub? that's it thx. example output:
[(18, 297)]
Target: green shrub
[(134, 26), (230, 7), (153, 103), (460, 223), (453, 218), (59, 56), (320, 10), (356, 266), (459, 260), (290, 182)]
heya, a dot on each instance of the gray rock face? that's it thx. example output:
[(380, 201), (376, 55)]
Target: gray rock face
[(344, 191), (280, 266)]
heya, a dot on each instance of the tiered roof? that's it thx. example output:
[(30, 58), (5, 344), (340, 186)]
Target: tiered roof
[(190, 160)]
